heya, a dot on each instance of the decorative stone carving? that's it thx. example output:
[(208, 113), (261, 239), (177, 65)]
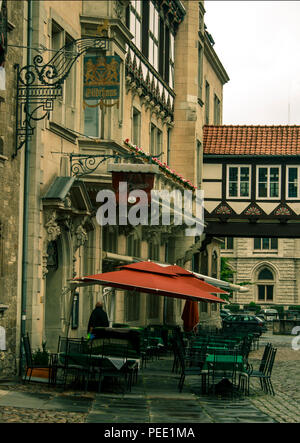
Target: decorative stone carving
[(119, 8), (44, 265), (52, 228), (68, 202), (80, 237)]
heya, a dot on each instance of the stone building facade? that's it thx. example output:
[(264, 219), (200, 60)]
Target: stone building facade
[(252, 188), (170, 82), (11, 180), (272, 268)]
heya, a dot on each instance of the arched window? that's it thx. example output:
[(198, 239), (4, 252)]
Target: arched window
[(265, 285), (265, 274)]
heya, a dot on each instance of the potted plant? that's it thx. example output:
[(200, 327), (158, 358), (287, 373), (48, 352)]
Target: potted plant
[(40, 358)]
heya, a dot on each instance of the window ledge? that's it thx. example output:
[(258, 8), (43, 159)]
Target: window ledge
[(266, 252), (63, 132)]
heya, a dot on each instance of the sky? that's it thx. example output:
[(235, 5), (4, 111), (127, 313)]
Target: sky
[(258, 43)]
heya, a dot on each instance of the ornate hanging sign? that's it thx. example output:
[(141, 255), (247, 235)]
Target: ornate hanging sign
[(132, 177), (101, 80)]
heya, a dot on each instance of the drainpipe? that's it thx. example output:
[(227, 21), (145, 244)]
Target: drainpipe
[(26, 198)]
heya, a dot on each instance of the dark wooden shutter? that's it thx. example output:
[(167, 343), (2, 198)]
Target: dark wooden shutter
[(145, 28), (161, 49)]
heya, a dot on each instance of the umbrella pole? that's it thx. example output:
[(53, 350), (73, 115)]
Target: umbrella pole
[(164, 312)]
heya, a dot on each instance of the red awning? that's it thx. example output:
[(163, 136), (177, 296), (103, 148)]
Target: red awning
[(152, 278)]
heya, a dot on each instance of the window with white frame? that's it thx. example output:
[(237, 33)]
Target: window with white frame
[(238, 182), (63, 112), (135, 21), (172, 62), (268, 179), (94, 120), (293, 182), (153, 35), (266, 243)]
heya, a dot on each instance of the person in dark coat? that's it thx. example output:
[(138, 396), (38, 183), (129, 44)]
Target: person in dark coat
[(98, 318)]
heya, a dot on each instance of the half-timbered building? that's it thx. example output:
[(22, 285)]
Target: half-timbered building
[(252, 200)]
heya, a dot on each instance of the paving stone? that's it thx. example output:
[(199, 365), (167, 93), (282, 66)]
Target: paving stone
[(156, 399)]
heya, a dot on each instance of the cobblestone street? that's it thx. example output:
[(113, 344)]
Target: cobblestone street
[(155, 399)]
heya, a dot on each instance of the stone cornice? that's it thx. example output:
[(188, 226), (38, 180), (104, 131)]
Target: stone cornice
[(97, 145), (214, 60)]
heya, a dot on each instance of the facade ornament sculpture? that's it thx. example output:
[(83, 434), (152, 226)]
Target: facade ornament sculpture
[(80, 237), (52, 228)]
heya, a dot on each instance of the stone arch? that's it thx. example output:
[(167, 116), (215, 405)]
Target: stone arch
[(264, 264)]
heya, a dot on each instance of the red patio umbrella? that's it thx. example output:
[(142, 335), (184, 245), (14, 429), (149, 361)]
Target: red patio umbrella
[(190, 315), (152, 278)]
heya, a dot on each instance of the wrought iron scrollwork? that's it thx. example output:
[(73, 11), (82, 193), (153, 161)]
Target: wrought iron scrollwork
[(85, 164), (40, 83), (82, 164)]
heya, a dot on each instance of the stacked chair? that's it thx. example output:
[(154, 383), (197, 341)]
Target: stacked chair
[(263, 373), (187, 361)]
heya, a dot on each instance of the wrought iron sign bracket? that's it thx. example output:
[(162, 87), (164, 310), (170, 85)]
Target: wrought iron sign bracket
[(84, 164), (40, 83)]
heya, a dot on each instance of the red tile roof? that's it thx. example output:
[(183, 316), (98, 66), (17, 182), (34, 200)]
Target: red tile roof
[(251, 140)]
